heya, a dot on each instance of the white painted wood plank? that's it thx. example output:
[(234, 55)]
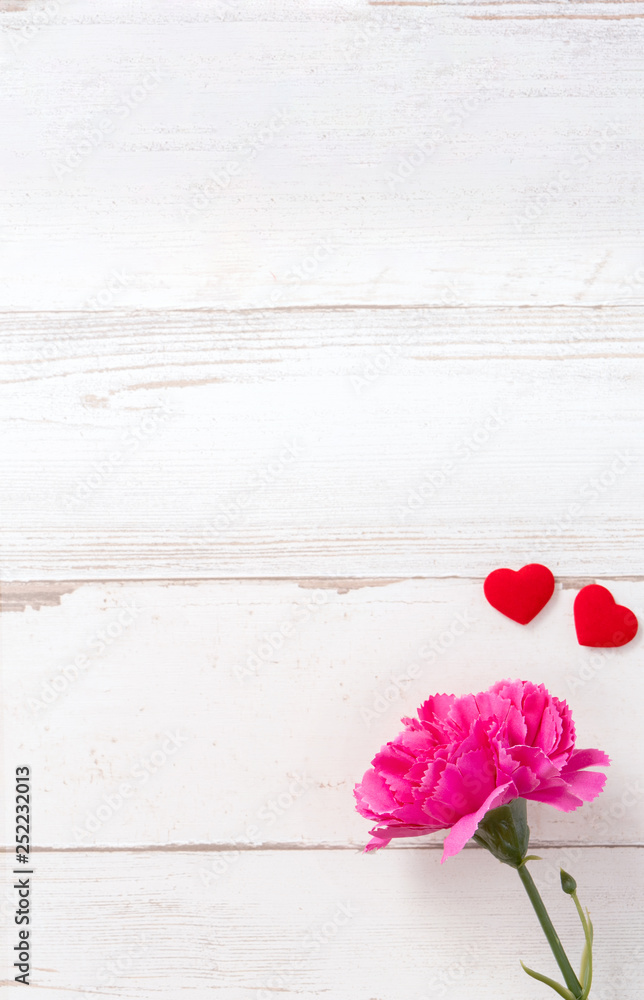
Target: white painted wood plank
[(360, 14), (126, 348), (279, 695), (492, 154), (323, 923), (310, 444)]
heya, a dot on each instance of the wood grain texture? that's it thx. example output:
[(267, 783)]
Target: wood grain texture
[(323, 923), (245, 712), (333, 294), (129, 350), (322, 443), (339, 154)]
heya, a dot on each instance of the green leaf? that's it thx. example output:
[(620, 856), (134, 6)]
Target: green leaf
[(561, 990), (585, 969), (587, 959)]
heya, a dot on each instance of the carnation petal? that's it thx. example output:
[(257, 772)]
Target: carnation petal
[(414, 814), (532, 769), (549, 732), (414, 742), (478, 771), (430, 777), (567, 738), (558, 795), (477, 739), (435, 709), (535, 700), (373, 796), (463, 714), (388, 833), (465, 828), (515, 726), (393, 767), (585, 758), (586, 784), (376, 843), (462, 787)]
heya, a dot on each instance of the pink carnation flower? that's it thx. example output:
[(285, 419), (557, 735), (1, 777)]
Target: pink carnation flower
[(463, 756)]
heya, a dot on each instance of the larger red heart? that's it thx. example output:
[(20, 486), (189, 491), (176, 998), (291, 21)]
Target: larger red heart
[(601, 622), (520, 595)]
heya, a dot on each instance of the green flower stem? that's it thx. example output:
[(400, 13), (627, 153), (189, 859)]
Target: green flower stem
[(567, 972)]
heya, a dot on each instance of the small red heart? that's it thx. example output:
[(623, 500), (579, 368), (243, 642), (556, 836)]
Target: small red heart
[(520, 595), (601, 622)]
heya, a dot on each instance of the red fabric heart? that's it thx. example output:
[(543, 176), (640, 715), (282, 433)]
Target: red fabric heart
[(601, 622), (520, 595)]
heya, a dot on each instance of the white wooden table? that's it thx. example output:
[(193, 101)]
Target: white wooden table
[(311, 315)]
